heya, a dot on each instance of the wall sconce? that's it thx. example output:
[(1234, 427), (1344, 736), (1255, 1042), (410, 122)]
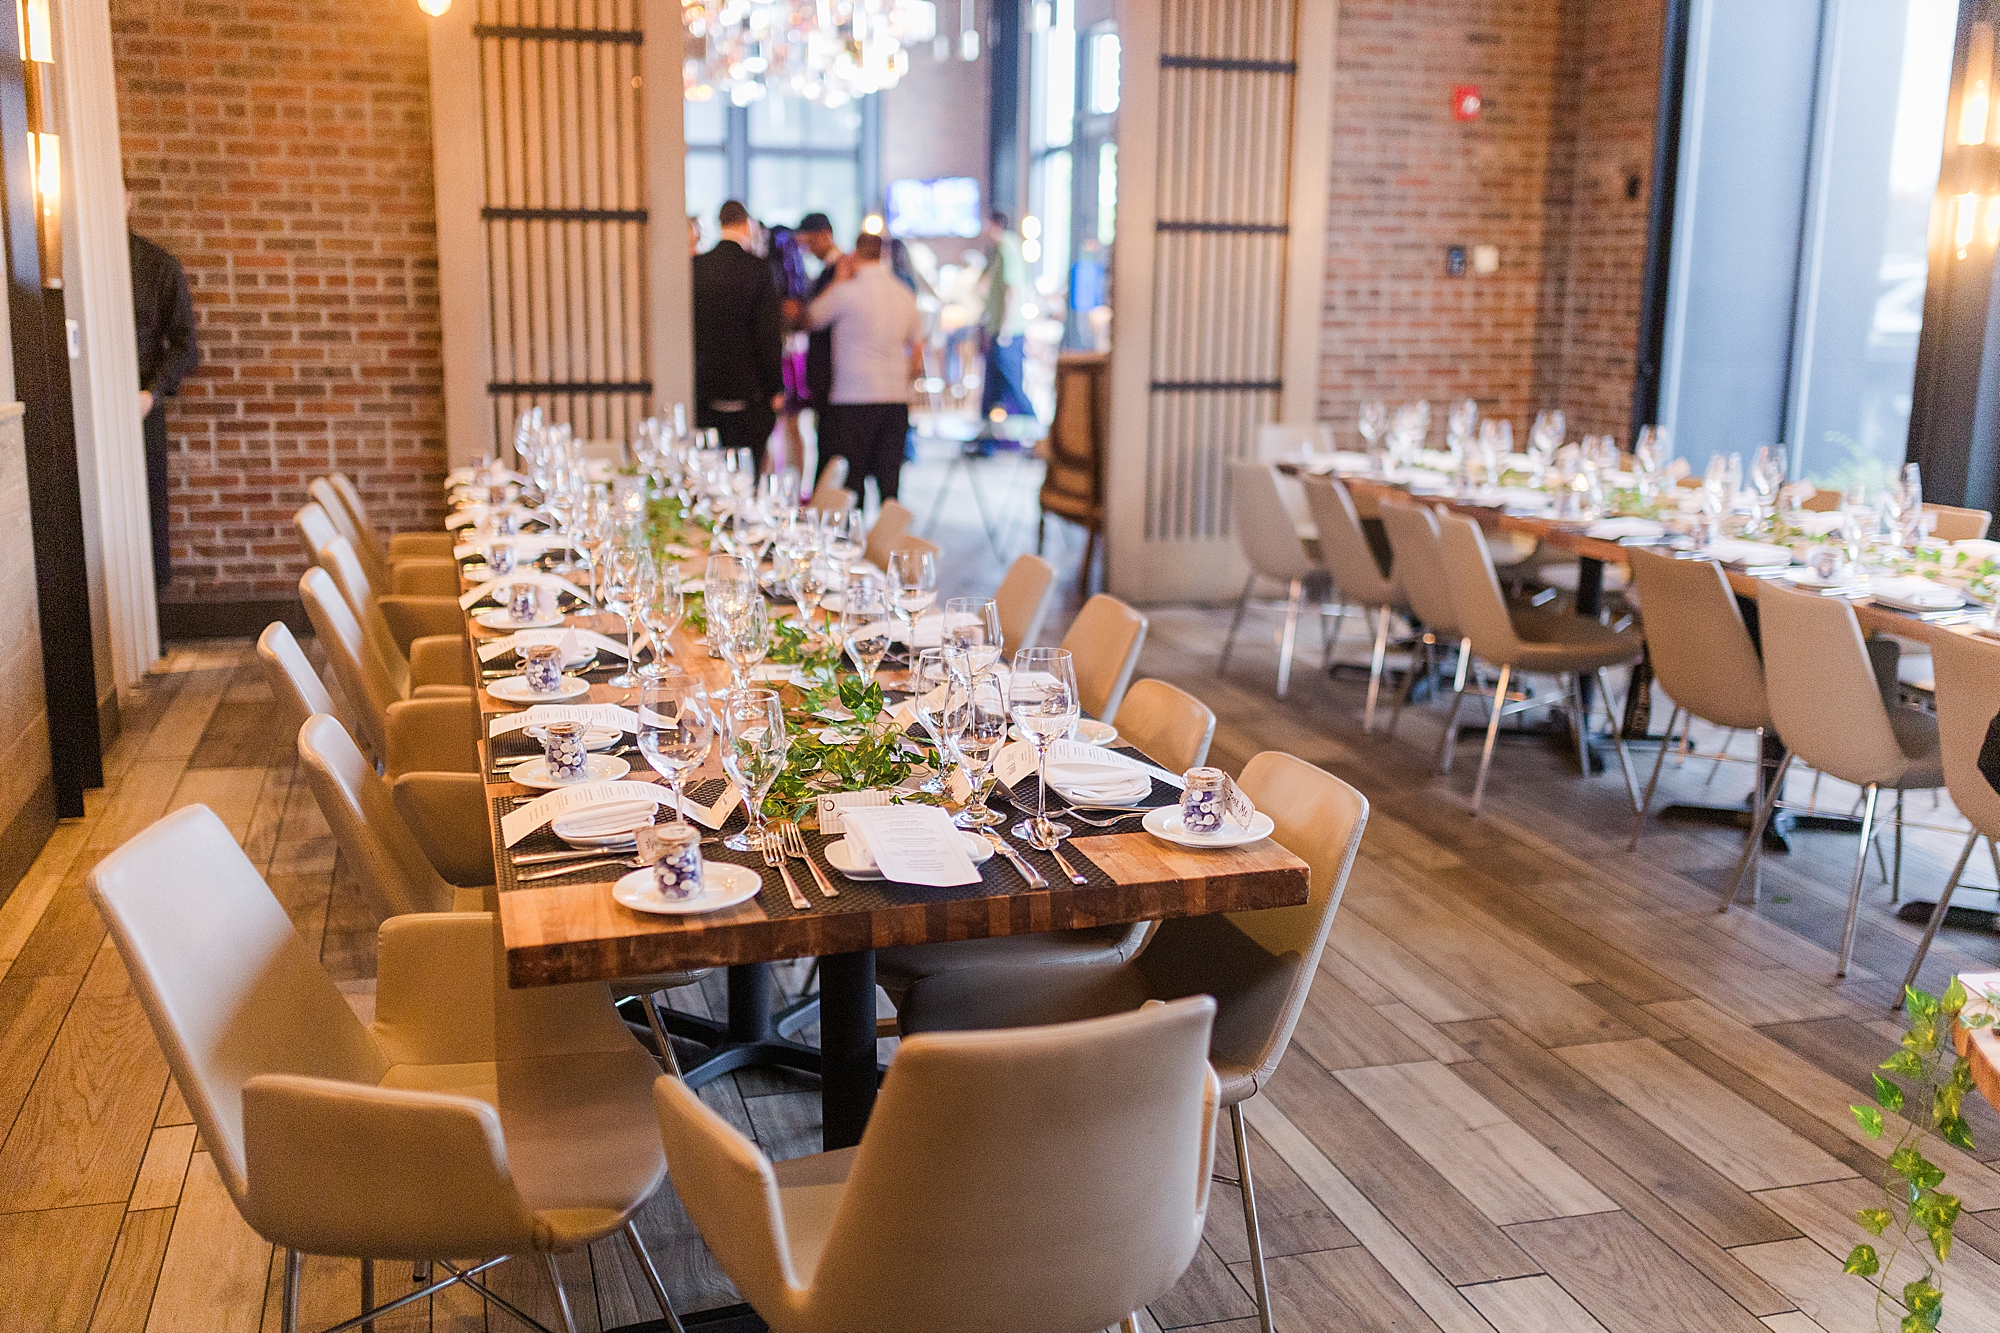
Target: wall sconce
[(1964, 221), (435, 8), (1975, 106), (44, 147)]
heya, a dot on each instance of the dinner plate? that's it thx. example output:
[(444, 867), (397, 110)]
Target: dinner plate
[(722, 885), (499, 618), (594, 738), (1165, 823), (838, 856), (514, 690), (598, 768), (1088, 730)]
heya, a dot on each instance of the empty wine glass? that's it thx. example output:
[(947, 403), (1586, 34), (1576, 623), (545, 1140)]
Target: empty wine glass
[(844, 535), (1041, 696), (746, 640), (754, 746), (623, 592), (676, 729), (976, 726), (1649, 459), (912, 588), (1904, 500), (812, 579), (973, 624), (864, 625), (1767, 475), (662, 607)]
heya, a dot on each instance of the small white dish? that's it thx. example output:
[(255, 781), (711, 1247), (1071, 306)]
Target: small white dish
[(598, 768), (610, 824), (1092, 732), (514, 690), (840, 858), (1165, 823), (500, 618), (722, 885), (594, 738)]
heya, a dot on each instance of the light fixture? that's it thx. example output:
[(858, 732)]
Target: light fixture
[(825, 51), (44, 146), (435, 8), (872, 224), (1964, 221), (1976, 101)]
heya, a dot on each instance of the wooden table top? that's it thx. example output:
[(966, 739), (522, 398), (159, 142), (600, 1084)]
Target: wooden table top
[(576, 932)]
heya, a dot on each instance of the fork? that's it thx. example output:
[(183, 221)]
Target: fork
[(794, 844), (775, 856)]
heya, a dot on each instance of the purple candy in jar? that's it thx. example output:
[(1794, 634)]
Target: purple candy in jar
[(1201, 800), (542, 668), (564, 750), (675, 851), (524, 603), (500, 558)]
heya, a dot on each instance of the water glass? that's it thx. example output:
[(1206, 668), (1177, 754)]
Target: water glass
[(1041, 695), (864, 625), (973, 624), (976, 727), (676, 728), (912, 588), (754, 746)]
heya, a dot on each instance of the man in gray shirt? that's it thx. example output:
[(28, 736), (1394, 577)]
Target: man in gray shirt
[(877, 343)]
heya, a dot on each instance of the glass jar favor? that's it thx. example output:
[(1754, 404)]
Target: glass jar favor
[(542, 668), (564, 750), (675, 851), (1201, 800)]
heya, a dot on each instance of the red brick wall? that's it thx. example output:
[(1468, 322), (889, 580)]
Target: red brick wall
[(1569, 95), (281, 149)]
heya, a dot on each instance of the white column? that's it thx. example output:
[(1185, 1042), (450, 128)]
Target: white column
[(672, 314), (458, 170)]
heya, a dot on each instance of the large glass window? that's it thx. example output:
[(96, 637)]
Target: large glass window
[(783, 157)]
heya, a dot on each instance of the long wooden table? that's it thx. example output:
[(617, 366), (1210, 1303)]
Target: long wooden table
[(574, 931)]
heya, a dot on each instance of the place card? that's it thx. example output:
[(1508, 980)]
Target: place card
[(591, 715), (831, 804), (913, 844), (578, 639), (491, 586)]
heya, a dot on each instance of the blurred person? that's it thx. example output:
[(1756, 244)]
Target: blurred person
[(877, 349), (739, 382), (815, 234), (163, 319), (1003, 395)]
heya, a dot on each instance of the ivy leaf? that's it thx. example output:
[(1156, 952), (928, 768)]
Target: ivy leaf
[(1977, 1021), (1905, 1063), (1914, 1167), (1862, 1262), (1870, 1120), (1957, 1133), (1887, 1095), (1876, 1220), (1924, 1302), (1921, 1004), (1954, 996)]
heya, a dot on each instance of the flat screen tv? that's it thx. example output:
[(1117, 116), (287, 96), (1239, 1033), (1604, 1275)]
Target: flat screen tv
[(942, 206)]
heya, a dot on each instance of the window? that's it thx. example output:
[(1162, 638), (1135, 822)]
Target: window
[(1103, 73), (783, 157)]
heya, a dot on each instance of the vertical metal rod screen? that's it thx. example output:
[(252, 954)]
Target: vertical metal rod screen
[(1226, 74), (564, 215)]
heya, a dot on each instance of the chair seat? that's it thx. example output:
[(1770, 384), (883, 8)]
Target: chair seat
[(1509, 548), (1917, 736), (578, 1158), (908, 963), (1565, 577), (1554, 642)]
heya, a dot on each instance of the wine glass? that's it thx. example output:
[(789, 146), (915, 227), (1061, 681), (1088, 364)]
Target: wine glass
[(1041, 696), (746, 640), (973, 624), (778, 492), (1767, 475), (661, 610), (930, 689), (812, 577), (976, 727), (676, 728), (845, 535), (754, 745), (864, 625), (1904, 500), (1649, 458), (727, 585), (912, 588), (623, 591)]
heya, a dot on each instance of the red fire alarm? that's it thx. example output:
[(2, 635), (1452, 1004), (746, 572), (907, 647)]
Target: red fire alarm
[(1465, 102)]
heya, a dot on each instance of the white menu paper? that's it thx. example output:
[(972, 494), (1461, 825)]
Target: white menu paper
[(488, 588), (523, 820), (913, 844), (471, 515), (524, 543), (585, 638), (591, 715)]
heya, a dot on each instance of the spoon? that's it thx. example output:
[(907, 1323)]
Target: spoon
[(1042, 837)]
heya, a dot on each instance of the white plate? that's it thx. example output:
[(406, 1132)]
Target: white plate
[(976, 847), (1108, 793), (599, 768), (503, 620), (604, 825), (1092, 732), (514, 690), (594, 738), (581, 659), (722, 885), (1165, 823)]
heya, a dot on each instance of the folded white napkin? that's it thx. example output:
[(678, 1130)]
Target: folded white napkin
[(602, 821), (1612, 529), (1083, 780), (1910, 590), (1748, 554)]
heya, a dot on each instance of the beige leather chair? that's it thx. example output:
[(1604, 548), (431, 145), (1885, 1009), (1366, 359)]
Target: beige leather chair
[(1054, 1180), (370, 686), (397, 545), (1350, 560), (1959, 525), (1169, 725), (832, 478), (832, 499), (1527, 643), (1701, 654), (409, 562), (394, 623), (1968, 699), (1104, 642), (469, 1119), (892, 522), (911, 542), (1828, 708), (1258, 965), (421, 735), (1278, 441), (1024, 600), (313, 529), (1274, 550), (1419, 564)]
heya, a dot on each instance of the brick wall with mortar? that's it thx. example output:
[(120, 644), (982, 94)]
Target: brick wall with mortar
[(281, 150)]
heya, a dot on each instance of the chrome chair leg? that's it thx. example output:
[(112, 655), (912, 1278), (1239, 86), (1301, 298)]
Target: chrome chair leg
[(1755, 846), (288, 1310), (1618, 740), (1375, 665), (1579, 721), (1448, 743), (1410, 679), (1896, 878), (1256, 1236), (652, 1276), (1329, 645), (1229, 643), (1659, 762), (562, 1297), (651, 1004), (1860, 870), (1293, 600), (1492, 734), (1464, 662), (1937, 919)]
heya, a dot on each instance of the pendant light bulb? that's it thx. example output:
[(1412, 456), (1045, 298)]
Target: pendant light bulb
[(435, 8)]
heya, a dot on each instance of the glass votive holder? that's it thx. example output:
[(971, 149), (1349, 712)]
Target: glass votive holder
[(1201, 800), (675, 853), (564, 750), (524, 603), (500, 558), (542, 668)]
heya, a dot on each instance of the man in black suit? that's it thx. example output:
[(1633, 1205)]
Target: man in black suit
[(163, 319), (739, 383), (815, 232)]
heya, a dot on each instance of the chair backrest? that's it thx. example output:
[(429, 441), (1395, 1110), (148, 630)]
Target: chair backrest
[(1073, 481), (1169, 724), (1413, 540), (227, 984), (1265, 529), (1344, 548), (338, 559), (892, 521), (294, 684), (1475, 589), (912, 543), (1825, 699), (1049, 1177), (366, 825), (1024, 599), (1968, 702), (1959, 525), (438, 808), (314, 529), (832, 477), (1819, 502), (362, 677), (368, 548), (1695, 636), (1104, 642), (832, 499), (357, 508), (1280, 440)]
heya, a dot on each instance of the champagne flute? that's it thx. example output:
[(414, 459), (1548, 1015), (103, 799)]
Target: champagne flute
[(1042, 698), (973, 624), (754, 745), (676, 729), (746, 640), (661, 611), (976, 729), (912, 588), (864, 625)]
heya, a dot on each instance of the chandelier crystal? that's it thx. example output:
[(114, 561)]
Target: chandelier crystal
[(825, 51)]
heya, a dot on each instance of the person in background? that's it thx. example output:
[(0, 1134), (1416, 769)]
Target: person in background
[(786, 256), (877, 340), (163, 319), (815, 233), (739, 382), (1002, 395)]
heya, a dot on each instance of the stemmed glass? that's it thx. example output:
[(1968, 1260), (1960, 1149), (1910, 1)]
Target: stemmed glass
[(589, 526), (912, 588), (1649, 458), (1767, 475), (1042, 698), (662, 607), (754, 745), (1858, 524), (976, 727), (812, 578), (746, 639), (676, 729), (845, 535), (727, 586), (864, 625), (1905, 502), (623, 591), (973, 625)]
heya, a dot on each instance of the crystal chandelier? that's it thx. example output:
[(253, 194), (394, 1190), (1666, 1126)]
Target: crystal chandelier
[(825, 51)]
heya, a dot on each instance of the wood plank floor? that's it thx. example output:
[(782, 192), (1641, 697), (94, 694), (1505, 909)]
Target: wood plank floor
[(1541, 1083)]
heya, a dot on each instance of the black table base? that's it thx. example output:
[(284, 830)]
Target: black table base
[(755, 1034)]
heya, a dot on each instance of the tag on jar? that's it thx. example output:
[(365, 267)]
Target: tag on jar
[(1236, 807)]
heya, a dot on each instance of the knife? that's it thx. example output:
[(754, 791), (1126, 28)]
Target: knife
[(545, 858), (1028, 872), (555, 871)]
